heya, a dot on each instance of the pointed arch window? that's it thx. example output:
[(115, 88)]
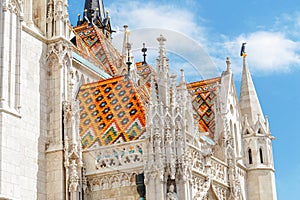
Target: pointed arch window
[(250, 156), (261, 155)]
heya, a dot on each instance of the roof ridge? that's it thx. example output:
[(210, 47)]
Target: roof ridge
[(104, 47), (202, 82), (102, 82)]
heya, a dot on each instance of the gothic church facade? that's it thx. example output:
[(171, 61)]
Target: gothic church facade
[(79, 120)]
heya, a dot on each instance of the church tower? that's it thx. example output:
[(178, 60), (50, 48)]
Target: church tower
[(257, 141)]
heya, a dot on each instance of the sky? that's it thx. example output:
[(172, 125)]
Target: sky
[(208, 31)]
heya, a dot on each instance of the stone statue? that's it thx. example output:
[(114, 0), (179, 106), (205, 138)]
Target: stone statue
[(171, 195)]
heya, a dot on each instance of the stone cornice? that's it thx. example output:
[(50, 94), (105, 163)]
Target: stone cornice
[(34, 33)]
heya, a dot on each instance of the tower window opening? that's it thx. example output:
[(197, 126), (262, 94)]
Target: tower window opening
[(259, 131), (250, 156), (261, 155)]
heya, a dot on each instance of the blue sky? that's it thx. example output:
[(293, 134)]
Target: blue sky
[(271, 29)]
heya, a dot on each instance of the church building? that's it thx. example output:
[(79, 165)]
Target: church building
[(81, 121)]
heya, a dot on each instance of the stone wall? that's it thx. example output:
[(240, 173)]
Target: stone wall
[(261, 180), (23, 132)]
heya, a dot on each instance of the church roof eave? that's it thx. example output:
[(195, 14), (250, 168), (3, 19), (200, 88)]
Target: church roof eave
[(90, 65)]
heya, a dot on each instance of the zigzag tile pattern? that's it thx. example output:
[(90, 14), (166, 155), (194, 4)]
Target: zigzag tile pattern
[(110, 112), (92, 41), (203, 99), (144, 71)]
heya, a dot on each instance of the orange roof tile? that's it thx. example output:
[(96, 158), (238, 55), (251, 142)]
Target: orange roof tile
[(110, 112), (91, 41), (203, 99)]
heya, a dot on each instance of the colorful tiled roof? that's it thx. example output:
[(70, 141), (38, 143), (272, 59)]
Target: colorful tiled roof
[(110, 112), (91, 41), (203, 99), (144, 71)]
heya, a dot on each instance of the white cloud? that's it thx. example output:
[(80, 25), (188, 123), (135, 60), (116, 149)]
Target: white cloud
[(184, 36), (138, 14), (272, 50), (267, 52)]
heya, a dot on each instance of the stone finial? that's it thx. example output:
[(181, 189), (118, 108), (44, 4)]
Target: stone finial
[(125, 42), (161, 39), (182, 76), (228, 63), (267, 123)]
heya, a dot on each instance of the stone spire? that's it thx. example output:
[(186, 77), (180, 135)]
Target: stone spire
[(257, 142), (228, 63), (162, 66), (249, 103), (125, 43)]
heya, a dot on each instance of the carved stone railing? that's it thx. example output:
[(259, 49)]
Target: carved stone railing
[(197, 158), (219, 171), (218, 168), (125, 156)]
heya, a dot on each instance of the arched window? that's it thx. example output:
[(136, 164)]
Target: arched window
[(250, 156), (261, 155)]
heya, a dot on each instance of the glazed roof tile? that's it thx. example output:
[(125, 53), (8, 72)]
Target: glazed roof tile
[(110, 112), (144, 72), (203, 100), (93, 43)]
